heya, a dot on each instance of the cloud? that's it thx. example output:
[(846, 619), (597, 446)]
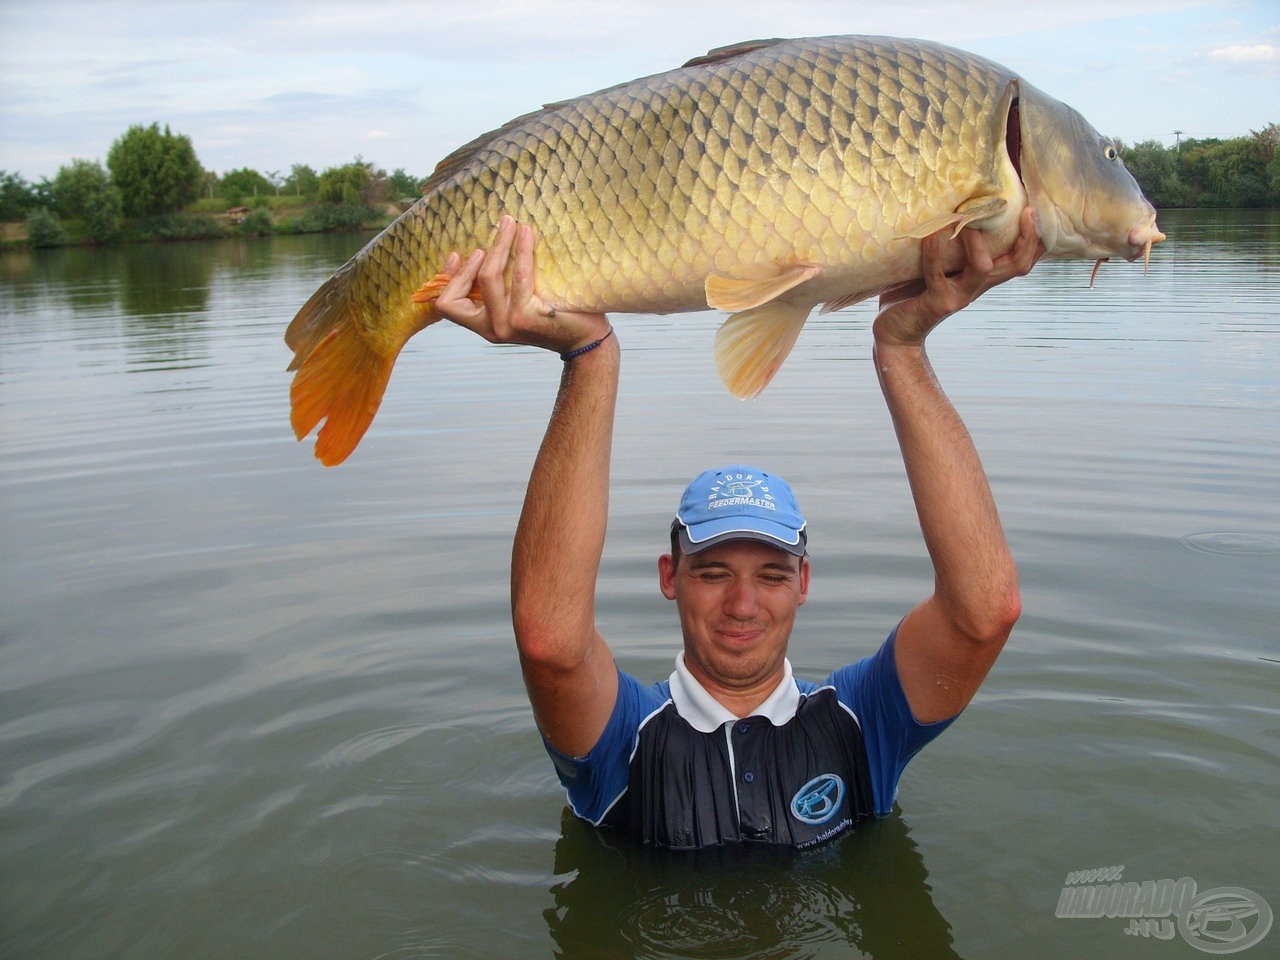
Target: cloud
[(266, 85), (1238, 53)]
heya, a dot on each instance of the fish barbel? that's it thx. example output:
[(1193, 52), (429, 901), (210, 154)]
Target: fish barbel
[(762, 179)]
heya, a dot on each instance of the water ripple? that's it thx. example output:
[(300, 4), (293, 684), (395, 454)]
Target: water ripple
[(1231, 543)]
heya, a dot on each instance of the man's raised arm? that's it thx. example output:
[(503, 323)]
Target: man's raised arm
[(946, 645), (568, 669)]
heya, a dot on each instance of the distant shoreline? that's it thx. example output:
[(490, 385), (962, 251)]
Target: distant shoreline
[(216, 220)]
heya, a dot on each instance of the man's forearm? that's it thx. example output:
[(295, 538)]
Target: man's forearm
[(560, 537), (976, 580)]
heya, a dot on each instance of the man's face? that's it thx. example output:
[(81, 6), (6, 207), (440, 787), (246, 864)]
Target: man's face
[(737, 604)]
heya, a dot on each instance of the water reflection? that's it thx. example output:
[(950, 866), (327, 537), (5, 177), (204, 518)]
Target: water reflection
[(162, 280), (162, 294), (1226, 230), (622, 899)]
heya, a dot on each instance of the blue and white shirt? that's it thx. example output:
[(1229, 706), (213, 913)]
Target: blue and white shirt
[(675, 768)]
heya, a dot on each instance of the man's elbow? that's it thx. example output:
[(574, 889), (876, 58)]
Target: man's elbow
[(545, 645), (991, 623), (538, 646), (1000, 620)]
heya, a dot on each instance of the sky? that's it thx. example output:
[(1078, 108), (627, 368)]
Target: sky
[(271, 84)]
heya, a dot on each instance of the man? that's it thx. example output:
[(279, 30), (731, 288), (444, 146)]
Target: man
[(732, 747)]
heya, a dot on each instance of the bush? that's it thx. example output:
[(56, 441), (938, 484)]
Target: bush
[(330, 218), (237, 186), (180, 226), (256, 224), (44, 229)]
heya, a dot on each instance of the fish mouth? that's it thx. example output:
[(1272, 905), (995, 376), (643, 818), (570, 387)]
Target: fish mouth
[(1141, 239)]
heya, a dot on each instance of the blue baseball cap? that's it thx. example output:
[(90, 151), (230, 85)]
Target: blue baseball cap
[(740, 503)]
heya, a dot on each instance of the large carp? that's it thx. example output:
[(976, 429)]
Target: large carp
[(761, 179)]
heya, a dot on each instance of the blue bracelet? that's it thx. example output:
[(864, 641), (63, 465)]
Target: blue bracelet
[(566, 357)]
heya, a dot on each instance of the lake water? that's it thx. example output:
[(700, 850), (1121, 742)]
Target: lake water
[(254, 708)]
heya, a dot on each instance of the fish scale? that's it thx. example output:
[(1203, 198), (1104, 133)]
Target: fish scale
[(762, 179)]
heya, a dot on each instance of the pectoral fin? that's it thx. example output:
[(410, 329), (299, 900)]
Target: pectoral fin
[(727, 293), (430, 291), (849, 299), (752, 345), (971, 211)]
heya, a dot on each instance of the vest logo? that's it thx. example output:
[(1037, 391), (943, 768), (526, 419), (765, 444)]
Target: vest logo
[(818, 800)]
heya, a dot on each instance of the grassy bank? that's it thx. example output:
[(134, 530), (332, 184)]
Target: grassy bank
[(210, 219)]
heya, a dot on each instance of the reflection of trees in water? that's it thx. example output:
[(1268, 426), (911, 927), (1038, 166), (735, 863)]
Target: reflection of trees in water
[(166, 278), (76, 279), (164, 292), (867, 890), (152, 301), (160, 291)]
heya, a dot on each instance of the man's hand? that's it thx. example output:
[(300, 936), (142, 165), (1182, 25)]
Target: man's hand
[(512, 314), (908, 314)]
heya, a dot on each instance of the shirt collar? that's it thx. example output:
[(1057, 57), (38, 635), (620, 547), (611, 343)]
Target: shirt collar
[(706, 714)]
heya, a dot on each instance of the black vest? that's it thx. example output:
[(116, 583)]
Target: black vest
[(798, 784)]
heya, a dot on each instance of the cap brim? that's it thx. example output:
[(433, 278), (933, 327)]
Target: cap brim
[(707, 535)]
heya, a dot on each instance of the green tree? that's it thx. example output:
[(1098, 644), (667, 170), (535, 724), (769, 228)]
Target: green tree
[(401, 186), (83, 191), (17, 197), (346, 184), (1193, 167), (1267, 143), (208, 183), (1235, 172), (236, 186), (157, 172), (1155, 167), (302, 180)]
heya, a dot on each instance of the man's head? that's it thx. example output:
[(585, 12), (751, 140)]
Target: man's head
[(738, 574)]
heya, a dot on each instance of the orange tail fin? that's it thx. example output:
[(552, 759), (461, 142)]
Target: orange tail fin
[(343, 367), (341, 381)]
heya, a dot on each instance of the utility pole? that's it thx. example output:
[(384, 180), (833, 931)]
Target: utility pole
[(1178, 142)]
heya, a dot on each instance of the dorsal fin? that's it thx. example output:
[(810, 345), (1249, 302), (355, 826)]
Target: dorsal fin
[(720, 54), (459, 158), (455, 161)]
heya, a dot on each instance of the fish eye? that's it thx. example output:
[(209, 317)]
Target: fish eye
[(1111, 152)]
